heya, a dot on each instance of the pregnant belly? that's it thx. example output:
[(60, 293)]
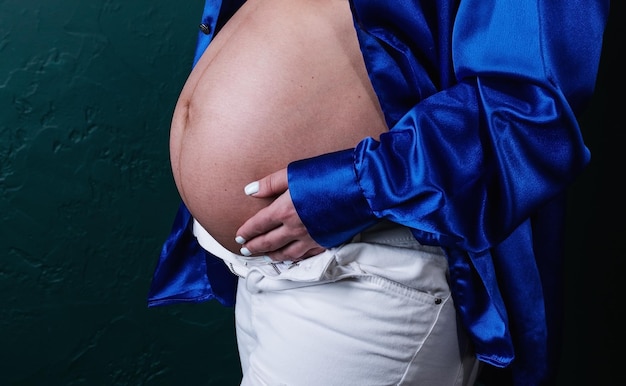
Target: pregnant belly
[(283, 80)]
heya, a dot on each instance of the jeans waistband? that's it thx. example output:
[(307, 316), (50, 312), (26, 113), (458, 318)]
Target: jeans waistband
[(233, 260), (389, 233), (384, 233)]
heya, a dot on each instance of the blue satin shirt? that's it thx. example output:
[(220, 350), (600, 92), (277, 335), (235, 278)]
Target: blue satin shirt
[(481, 97)]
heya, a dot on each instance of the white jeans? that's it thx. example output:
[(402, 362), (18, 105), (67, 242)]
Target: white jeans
[(376, 311)]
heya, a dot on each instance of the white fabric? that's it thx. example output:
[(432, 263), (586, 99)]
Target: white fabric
[(376, 311)]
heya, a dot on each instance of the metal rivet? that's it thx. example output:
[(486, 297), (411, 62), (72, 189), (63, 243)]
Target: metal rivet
[(205, 29), (438, 301)]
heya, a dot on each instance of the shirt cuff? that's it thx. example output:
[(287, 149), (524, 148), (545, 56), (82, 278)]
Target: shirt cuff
[(326, 194)]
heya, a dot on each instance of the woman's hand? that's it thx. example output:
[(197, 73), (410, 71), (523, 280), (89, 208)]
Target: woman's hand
[(276, 230)]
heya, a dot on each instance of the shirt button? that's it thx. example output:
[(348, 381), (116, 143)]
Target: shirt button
[(206, 29)]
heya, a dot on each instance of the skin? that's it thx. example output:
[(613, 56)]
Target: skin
[(277, 230), (261, 96)]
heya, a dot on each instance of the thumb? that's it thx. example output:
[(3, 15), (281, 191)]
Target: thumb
[(271, 185)]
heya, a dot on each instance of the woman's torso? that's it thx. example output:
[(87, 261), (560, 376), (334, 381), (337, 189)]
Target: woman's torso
[(283, 80)]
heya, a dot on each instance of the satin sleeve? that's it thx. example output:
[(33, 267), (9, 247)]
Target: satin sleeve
[(467, 165)]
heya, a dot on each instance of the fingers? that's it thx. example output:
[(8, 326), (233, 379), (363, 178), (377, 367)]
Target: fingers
[(283, 236), (296, 250), (272, 228), (279, 212), (278, 232), (268, 186)]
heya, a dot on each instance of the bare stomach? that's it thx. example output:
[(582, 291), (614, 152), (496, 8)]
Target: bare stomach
[(283, 80)]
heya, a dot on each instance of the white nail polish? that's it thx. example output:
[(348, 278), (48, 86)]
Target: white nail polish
[(268, 259), (240, 240), (244, 251), (251, 188), (287, 262)]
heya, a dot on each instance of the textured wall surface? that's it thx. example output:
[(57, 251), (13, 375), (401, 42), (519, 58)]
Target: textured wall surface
[(87, 89)]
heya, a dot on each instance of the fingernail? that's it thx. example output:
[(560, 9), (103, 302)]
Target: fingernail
[(287, 262), (251, 188), (268, 259), (240, 240), (244, 251)]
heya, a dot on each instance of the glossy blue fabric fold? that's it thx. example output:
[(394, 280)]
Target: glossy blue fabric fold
[(481, 98), (186, 272), (469, 165)]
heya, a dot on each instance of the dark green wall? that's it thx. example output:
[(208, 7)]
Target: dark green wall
[(87, 89)]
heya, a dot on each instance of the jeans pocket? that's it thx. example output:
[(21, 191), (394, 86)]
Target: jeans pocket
[(417, 270)]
